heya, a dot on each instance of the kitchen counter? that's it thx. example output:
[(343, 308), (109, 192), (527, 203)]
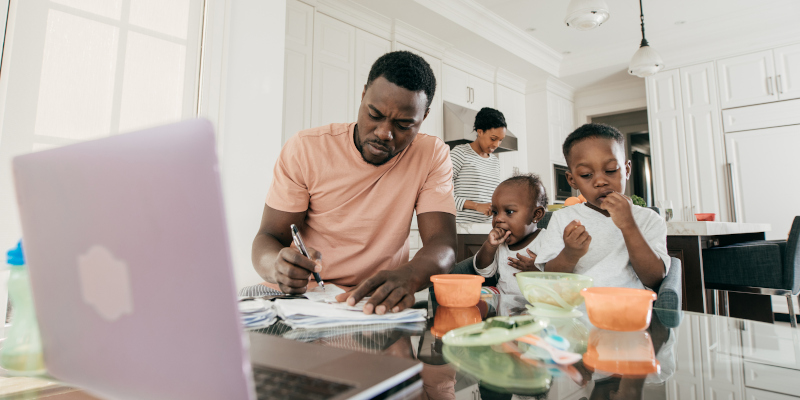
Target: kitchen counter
[(702, 228)]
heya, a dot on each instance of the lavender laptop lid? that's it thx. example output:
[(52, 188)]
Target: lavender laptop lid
[(128, 254)]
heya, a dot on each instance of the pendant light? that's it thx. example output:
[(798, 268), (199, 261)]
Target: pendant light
[(645, 61), (586, 14)]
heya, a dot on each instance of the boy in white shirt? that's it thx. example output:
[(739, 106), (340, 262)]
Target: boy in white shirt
[(607, 238), (517, 206)]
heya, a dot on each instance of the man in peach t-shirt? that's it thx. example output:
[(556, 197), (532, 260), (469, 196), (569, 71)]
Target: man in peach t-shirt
[(351, 189)]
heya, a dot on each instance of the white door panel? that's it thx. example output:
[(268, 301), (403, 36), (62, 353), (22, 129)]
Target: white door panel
[(747, 79), (761, 162), (369, 48), (334, 65), (787, 71), (455, 86), (297, 68)]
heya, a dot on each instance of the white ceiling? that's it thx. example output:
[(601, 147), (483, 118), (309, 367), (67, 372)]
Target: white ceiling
[(707, 29)]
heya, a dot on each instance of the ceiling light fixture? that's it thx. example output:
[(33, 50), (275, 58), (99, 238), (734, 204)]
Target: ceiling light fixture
[(586, 14), (645, 61)]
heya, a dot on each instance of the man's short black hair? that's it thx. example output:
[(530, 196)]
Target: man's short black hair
[(407, 70), (489, 118), (535, 187), (591, 131)]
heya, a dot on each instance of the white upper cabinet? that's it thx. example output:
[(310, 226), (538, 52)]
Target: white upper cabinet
[(667, 142), (368, 49), (297, 68), (455, 86), (465, 89), (705, 147), (482, 93), (787, 70), (433, 123), (334, 71), (748, 79)]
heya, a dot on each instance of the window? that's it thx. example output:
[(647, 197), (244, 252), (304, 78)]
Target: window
[(81, 69)]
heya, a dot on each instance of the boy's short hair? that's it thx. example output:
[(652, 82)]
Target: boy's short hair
[(590, 131), (535, 186), (407, 70), (489, 118)]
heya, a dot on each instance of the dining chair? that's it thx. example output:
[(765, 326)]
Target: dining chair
[(767, 267)]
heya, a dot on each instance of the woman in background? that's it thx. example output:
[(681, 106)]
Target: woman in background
[(476, 171)]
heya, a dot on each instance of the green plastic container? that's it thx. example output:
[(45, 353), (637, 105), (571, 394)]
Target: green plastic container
[(22, 348)]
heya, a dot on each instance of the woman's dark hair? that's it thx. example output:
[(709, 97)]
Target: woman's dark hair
[(589, 131), (407, 70), (489, 118), (535, 186)]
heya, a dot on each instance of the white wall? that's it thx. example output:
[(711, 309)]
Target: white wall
[(251, 110), (627, 95)]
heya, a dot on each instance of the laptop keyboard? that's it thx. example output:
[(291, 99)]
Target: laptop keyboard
[(279, 384)]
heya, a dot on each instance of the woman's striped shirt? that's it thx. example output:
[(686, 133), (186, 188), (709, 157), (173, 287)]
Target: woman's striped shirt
[(474, 178)]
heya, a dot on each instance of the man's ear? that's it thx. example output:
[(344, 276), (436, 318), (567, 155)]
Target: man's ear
[(427, 111), (364, 92)]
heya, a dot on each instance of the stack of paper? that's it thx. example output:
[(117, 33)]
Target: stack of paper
[(302, 313), (257, 313)]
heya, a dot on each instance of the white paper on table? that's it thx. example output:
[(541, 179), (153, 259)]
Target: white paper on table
[(307, 313), (327, 295)]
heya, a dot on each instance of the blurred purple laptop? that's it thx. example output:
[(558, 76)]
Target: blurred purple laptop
[(132, 280)]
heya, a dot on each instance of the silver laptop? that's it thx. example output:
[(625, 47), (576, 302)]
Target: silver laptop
[(127, 248)]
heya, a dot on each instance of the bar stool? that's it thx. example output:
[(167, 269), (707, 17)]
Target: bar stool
[(768, 267)]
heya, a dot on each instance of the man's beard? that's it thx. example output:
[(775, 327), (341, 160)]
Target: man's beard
[(360, 149)]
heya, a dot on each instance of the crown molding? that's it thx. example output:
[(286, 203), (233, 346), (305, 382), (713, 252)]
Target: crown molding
[(554, 86), (419, 40), (477, 18), (355, 14), (511, 81), (471, 65)]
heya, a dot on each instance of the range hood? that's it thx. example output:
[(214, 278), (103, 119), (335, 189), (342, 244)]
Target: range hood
[(458, 123)]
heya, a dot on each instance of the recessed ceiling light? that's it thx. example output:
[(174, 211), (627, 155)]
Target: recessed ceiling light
[(566, 52), (680, 22), (531, 29)]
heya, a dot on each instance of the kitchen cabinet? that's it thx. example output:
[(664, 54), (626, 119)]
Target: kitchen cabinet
[(433, 123), (760, 160), (787, 71), (667, 141), (761, 77), (334, 71), (297, 68), (561, 122), (466, 90), (705, 147)]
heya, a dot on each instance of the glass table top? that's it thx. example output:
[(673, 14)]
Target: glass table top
[(682, 355)]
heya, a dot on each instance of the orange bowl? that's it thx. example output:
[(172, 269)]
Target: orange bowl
[(457, 290), (449, 318), (619, 309), (705, 216)]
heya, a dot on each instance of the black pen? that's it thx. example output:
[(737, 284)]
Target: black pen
[(302, 247)]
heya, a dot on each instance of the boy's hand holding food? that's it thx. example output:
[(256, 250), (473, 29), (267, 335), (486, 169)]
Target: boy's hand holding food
[(576, 241), (620, 208)]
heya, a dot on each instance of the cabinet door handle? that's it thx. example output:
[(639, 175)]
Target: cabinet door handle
[(734, 217), (779, 83), (769, 86), (471, 95), (468, 94)]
